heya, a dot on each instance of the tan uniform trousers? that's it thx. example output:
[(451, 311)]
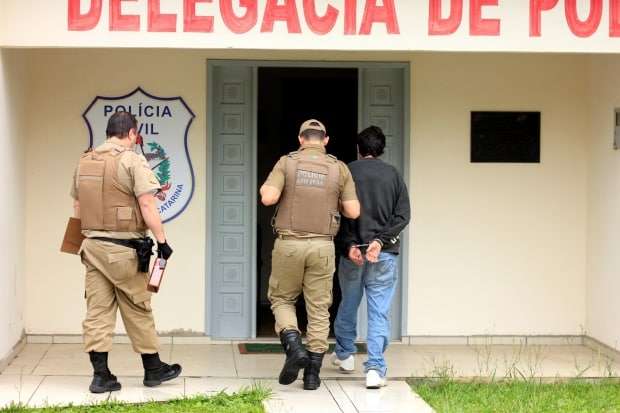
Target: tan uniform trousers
[(303, 265), (113, 282)]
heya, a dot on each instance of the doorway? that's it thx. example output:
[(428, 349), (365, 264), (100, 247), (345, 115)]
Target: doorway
[(253, 117), (286, 98)]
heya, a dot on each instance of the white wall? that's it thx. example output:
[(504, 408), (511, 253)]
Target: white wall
[(12, 176), (497, 249), (604, 204)]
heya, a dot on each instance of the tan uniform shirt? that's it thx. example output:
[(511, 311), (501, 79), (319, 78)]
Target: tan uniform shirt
[(277, 179), (134, 174)]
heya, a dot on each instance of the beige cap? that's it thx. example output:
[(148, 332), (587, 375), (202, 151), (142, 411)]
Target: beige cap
[(312, 124)]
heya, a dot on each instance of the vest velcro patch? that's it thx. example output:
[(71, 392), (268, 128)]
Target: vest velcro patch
[(309, 178)]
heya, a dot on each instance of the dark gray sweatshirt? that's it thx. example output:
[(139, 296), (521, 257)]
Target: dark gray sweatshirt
[(385, 211)]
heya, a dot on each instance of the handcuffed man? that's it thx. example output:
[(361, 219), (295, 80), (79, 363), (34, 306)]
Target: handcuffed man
[(370, 245)]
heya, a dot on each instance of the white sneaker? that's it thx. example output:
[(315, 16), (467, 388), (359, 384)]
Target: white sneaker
[(374, 380), (346, 366)]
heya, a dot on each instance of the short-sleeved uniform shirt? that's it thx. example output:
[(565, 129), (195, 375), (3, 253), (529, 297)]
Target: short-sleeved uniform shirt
[(134, 174), (277, 179)]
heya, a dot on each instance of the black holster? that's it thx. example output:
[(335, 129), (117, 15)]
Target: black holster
[(143, 247), (144, 250)]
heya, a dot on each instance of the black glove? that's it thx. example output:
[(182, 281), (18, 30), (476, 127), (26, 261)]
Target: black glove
[(163, 250)]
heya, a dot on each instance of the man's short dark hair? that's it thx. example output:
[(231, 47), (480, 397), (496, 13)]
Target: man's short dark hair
[(371, 142), (120, 124), (313, 135)]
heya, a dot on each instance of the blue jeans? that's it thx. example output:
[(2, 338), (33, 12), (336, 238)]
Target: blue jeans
[(378, 280)]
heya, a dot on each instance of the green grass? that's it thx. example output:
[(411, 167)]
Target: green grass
[(246, 401), (448, 396)]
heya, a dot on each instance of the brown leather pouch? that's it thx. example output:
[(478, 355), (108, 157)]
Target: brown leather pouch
[(72, 242)]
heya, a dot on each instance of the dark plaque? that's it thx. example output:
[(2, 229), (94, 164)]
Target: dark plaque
[(505, 137)]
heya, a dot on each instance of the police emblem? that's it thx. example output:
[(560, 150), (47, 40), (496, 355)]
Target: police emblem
[(164, 124)]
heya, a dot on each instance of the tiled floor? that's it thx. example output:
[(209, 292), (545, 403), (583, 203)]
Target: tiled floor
[(60, 373)]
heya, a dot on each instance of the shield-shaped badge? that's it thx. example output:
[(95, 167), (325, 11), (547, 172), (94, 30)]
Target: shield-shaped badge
[(164, 123)]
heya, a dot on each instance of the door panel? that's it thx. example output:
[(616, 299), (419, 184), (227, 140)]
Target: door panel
[(232, 266), (382, 104)]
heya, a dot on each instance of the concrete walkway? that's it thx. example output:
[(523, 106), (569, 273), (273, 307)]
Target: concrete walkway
[(59, 374), (333, 396)]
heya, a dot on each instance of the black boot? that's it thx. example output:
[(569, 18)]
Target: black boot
[(296, 356), (156, 372), (103, 380), (312, 381)]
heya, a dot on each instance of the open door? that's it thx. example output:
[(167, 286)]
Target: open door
[(231, 258), (288, 96)]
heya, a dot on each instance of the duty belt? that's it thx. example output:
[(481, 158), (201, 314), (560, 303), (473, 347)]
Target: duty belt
[(143, 247), (317, 238)]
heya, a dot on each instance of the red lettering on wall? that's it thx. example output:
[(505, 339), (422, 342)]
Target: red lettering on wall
[(82, 22), (590, 25), (440, 26), (350, 16), (380, 14), (316, 23), (614, 18), (479, 26), (158, 22), (243, 23), (120, 21), (286, 12), (193, 23), (536, 9)]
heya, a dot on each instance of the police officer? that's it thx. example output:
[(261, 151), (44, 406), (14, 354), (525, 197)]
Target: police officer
[(311, 189), (114, 196)]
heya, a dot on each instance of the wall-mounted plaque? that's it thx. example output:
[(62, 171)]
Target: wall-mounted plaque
[(505, 137)]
